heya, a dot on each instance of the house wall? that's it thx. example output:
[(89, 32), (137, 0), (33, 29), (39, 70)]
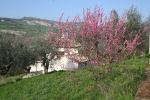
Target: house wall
[(37, 67), (63, 63)]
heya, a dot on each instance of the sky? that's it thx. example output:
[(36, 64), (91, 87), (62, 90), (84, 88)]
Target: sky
[(53, 9)]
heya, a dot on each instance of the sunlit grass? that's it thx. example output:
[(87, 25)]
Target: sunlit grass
[(121, 83)]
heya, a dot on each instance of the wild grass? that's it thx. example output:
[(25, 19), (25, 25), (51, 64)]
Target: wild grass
[(120, 83)]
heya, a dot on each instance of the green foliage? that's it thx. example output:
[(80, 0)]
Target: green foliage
[(18, 52), (11, 79), (42, 49), (147, 55), (120, 83), (134, 26), (14, 55), (133, 19)]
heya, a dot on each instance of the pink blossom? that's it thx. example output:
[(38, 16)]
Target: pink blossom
[(96, 33)]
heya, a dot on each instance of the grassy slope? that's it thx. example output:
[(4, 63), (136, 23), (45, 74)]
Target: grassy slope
[(79, 84)]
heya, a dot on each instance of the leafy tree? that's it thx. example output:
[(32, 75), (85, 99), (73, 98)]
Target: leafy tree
[(147, 27), (135, 26), (14, 55), (43, 51), (5, 54), (133, 20), (18, 52)]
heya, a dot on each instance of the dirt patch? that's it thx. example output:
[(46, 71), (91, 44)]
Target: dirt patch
[(1, 79), (13, 32), (36, 22), (143, 92)]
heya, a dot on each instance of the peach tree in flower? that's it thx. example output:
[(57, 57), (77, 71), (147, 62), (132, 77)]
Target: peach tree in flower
[(101, 38)]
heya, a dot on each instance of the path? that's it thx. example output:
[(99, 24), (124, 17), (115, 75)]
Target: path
[(31, 74), (143, 92)]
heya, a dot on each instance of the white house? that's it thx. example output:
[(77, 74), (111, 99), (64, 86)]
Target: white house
[(68, 61)]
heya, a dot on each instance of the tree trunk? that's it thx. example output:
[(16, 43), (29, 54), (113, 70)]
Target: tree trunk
[(46, 66), (45, 70)]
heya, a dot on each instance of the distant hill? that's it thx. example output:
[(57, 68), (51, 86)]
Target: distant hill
[(25, 25)]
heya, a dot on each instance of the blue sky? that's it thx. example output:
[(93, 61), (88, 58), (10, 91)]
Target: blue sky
[(52, 9)]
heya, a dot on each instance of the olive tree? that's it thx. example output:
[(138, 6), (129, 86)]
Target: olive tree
[(15, 56), (43, 51), (135, 26)]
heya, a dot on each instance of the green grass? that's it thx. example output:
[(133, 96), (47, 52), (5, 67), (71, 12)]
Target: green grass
[(120, 84), (11, 79)]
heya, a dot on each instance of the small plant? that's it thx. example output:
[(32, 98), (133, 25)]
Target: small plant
[(147, 55)]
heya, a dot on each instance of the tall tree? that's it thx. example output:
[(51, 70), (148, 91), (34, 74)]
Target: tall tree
[(135, 26), (43, 51), (115, 17), (14, 55)]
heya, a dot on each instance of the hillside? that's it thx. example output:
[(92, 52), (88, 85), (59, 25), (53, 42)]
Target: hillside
[(120, 83), (25, 25)]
